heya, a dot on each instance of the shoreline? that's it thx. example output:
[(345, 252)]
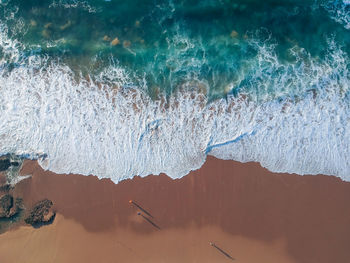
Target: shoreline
[(284, 217)]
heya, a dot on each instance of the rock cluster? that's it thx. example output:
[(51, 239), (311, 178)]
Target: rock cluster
[(8, 208), (41, 214), (6, 163)]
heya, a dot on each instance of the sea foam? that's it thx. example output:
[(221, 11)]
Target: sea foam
[(108, 126), (339, 11)]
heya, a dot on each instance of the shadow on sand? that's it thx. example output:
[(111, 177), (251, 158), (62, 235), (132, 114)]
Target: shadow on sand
[(149, 220), (221, 251)]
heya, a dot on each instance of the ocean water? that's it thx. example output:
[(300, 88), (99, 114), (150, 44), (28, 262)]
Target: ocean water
[(123, 88)]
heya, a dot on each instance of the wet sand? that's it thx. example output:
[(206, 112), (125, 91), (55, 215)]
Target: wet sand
[(250, 213)]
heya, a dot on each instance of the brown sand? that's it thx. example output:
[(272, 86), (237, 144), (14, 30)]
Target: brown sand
[(249, 212)]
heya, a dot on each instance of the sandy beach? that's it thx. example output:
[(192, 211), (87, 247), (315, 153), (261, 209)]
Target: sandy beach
[(253, 215), (142, 93)]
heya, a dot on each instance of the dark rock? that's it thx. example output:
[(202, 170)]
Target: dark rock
[(7, 208), (5, 188), (4, 164), (41, 214), (15, 163)]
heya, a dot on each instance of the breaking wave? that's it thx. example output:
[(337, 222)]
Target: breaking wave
[(291, 116), (105, 126)]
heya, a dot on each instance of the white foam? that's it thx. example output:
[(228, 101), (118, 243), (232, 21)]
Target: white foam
[(339, 11), (74, 4), (9, 48), (113, 130)]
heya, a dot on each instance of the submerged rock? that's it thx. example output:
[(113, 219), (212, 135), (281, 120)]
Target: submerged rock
[(10, 166), (46, 33), (234, 34), (126, 43), (66, 25), (106, 38), (33, 23), (48, 26), (115, 41), (5, 164), (41, 214)]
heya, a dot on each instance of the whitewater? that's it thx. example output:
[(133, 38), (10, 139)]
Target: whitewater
[(107, 125)]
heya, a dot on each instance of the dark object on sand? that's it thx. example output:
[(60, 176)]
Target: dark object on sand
[(149, 221), (6, 206), (41, 214), (139, 207), (220, 250)]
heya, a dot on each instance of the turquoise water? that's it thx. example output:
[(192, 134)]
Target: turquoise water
[(124, 88), (169, 42)]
